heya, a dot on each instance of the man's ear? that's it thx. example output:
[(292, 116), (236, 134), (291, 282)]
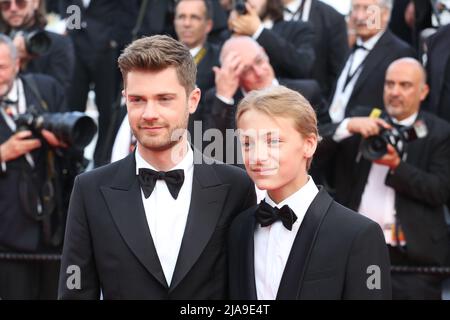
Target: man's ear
[(424, 92), (194, 99), (209, 26)]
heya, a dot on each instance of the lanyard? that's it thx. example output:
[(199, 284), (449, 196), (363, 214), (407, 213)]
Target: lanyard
[(200, 55), (350, 75), (299, 11)]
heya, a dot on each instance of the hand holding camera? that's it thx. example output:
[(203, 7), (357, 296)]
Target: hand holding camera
[(19, 144), (244, 22)]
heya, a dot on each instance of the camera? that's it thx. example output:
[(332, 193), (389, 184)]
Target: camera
[(37, 42), (73, 128), (239, 6), (375, 147)]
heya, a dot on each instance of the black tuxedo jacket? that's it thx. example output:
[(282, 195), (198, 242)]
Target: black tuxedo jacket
[(421, 184), (108, 237), (438, 67), (18, 231), (368, 89), (290, 47), (329, 259), (330, 44)]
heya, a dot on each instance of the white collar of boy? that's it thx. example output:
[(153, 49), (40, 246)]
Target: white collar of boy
[(299, 202), (185, 164)]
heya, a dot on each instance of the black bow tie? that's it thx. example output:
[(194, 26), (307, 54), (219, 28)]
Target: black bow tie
[(266, 215), (357, 46), (174, 180)]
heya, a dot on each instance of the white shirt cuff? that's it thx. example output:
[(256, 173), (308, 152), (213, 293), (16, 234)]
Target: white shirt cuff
[(342, 131), (258, 32), (229, 101)]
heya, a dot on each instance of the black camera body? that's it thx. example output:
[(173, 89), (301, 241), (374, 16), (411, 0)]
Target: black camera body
[(239, 6), (375, 147), (73, 128), (37, 42)]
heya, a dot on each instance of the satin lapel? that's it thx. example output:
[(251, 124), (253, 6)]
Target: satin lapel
[(207, 201), (124, 201), (247, 259), (297, 263)]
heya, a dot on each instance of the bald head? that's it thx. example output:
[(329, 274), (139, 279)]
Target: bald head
[(404, 88), (241, 45), (410, 64)]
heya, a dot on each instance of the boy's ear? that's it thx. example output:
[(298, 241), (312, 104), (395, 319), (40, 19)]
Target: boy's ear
[(310, 145)]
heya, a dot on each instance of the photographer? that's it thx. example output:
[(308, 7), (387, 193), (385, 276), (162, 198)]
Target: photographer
[(405, 193), (31, 210), (289, 44), (40, 51)]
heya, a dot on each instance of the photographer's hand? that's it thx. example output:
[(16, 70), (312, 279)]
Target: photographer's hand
[(18, 145), (246, 24), (390, 159), (366, 126), (52, 140)]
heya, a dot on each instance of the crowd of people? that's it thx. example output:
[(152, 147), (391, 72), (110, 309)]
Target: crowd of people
[(356, 108)]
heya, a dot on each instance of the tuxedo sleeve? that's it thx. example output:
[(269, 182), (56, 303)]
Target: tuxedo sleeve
[(431, 186), (368, 267), (78, 256), (294, 57)]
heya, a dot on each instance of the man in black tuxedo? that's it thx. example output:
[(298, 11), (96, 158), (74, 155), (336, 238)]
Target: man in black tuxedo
[(405, 190), (438, 71), (138, 233), (29, 222), (319, 249), (289, 44), (330, 38), (360, 82)]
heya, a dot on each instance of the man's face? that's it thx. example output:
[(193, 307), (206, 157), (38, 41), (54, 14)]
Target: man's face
[(368, 18), (404, 90), (191, 25), (8, 69), (257, 72), (275, 153), (18, 13), (158, 107)]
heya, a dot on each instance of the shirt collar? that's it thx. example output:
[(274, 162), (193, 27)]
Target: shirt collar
[(408, 121), (12, 94), (370, 44), (300, 201), (185, 164), (294, 5), (195, 50)]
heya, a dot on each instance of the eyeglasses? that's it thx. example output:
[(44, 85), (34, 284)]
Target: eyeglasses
[(5, 5)]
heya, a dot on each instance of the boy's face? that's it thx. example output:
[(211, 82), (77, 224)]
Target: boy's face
[(275, 153)]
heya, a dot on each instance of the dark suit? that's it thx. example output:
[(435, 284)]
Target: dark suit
[(329, 259), (330, 44), (421, 184), (96, 47), (108, 237), (290, 47), (369, 87), (438, 70), (20, 231)]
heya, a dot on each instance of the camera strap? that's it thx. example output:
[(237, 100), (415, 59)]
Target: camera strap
[(31, 83)]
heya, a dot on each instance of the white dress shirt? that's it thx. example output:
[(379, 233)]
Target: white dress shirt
[(292, 14), (273, 243), (166, 216), (342, 95), (378, 199)]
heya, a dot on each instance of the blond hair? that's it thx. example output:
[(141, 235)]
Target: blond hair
[(279, 101), (157, 53)]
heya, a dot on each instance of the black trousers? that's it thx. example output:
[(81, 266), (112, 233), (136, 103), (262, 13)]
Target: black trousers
[(413, 286), (29, 280), (100, 71)]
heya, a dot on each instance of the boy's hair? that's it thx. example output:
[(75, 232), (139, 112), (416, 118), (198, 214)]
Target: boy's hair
[(279, 101), (157, 53)]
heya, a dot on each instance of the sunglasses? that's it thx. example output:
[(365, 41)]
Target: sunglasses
[(6, 4)]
